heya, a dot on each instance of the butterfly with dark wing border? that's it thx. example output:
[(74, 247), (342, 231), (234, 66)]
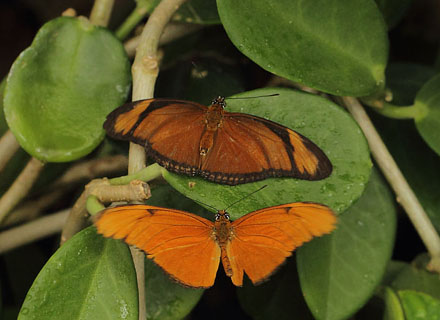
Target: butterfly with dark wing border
[(224, 147), (189, 248)]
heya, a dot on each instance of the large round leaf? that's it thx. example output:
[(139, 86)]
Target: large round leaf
[(89, 277), (428, 124), (335, 46), (326, 124), (61, 88), (339, 272)]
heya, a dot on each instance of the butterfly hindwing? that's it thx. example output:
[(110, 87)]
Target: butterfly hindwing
[(264, 238), (181, 243)]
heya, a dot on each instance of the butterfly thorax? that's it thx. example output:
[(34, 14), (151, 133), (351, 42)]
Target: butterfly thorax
[(213, 121)]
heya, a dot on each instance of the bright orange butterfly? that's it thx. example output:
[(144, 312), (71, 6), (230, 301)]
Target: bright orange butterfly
[(223, 147), (189, 248)]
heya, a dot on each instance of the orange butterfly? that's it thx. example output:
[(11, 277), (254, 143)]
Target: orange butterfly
[(189, 248), (223, 147)]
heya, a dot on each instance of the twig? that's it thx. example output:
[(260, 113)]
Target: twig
[(20, 187), (32, 231), (101, 188), (101, 12), (8, 147), (404, 193), (145, 69), (172, 32)]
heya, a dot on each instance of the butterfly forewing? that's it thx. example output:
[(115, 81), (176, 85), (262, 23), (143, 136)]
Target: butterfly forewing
[(179, 242), (264, 238)]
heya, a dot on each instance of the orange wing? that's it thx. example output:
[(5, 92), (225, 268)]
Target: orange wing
[(181, 243), (248, 148), (170, 130), (263, 239), (245, 148)]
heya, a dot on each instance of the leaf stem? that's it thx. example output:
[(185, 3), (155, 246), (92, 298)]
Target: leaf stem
[(32, 231), (145, 69), (146, 174), (401, 112), (140, 12), (8, 147), (101, 12), (404, 193), (20, 187), (93, 205)]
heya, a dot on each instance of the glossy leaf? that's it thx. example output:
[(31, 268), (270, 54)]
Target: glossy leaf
[(419, 306), (198, 11), (337, 46), (326, 124), (428, 99), (89, 277), (339, 272), (61, 88), (165, 298), (278, 298)]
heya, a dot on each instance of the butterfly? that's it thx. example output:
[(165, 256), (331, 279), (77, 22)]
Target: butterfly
[(223, 147), (189, 248)]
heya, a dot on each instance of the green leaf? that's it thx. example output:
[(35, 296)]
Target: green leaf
[(419, 306), (339, 272), (326, 124), (165, 298), (89, 277), (393, 307), (279, 298), (198, 11), (61, 88), (415, 277), (337, 46), (393, 10), (428, 99)]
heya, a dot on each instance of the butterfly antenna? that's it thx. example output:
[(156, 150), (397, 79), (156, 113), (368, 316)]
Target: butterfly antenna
[(264, 96), (205, 204), (246, 196)]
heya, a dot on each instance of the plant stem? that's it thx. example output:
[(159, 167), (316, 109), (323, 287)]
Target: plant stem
[(20, 187), (134, 18), (32, 231), (404, 193), (101, 12), (401, 112), (145, 69), (8, 147)]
